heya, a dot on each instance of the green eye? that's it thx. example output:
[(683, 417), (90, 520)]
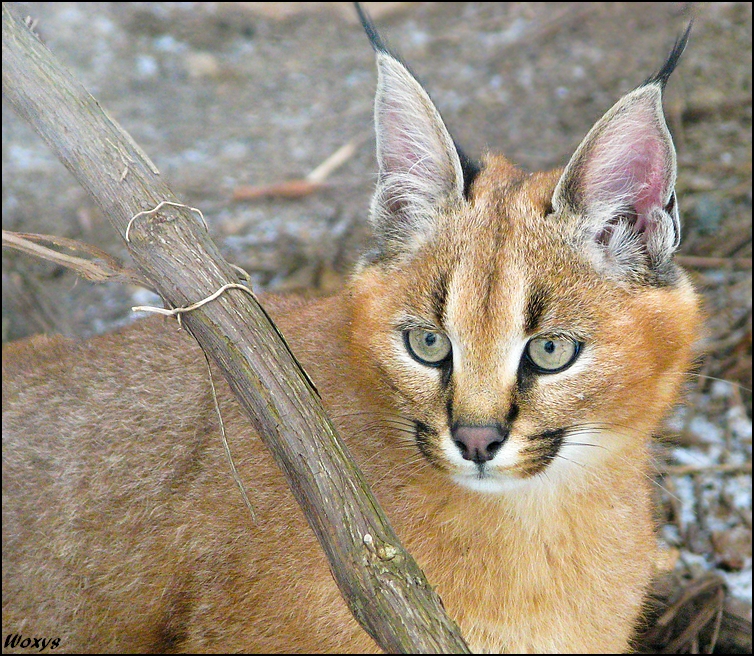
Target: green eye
[(429, 347), (552, 354)]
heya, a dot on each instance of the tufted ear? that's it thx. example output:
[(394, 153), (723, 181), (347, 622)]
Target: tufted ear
[(621, 183), (419, 167), (421, 170)]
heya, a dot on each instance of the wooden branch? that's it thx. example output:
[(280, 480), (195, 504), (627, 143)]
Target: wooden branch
[(386, 591), (101, 267)]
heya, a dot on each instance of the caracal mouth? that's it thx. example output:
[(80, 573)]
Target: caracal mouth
[(487, 480)]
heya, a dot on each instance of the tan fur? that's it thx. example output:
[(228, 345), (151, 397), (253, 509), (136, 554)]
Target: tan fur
[(123, 529)]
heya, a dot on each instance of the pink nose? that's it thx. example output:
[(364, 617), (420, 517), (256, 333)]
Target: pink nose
[(479, 443)]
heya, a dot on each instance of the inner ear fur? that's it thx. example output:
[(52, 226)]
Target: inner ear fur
[(420, 170), (620, 183)]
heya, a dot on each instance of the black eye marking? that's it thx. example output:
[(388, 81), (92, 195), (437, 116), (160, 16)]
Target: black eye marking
[(512, 414), (536, 305), (439, 297)]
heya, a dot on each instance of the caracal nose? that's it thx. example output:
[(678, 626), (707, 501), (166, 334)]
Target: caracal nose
[(479, 443)]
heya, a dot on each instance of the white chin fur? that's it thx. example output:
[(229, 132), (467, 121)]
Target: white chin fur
[(490, 484), (577, 461), (549, 480)]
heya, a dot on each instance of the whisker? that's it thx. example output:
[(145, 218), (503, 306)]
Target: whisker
[(562, 457), (597, 446), (688, 375), (396, 427), (619, 429), (721, 380), (413, 465), (576, 429)]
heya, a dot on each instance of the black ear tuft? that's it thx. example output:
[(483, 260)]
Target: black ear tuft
[(369, 27), (668, 67), (469, 167)]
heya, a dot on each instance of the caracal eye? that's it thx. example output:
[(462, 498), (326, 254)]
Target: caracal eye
[(429, 347), (550, 354)]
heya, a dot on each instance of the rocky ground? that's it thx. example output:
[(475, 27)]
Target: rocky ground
[(224, 96)]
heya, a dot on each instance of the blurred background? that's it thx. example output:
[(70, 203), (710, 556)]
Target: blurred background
[(239, 104)]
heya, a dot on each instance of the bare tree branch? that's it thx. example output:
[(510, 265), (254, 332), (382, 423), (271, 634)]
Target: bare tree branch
[(102, 267)]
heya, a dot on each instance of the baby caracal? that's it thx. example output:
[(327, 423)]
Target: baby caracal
[(497, 365)]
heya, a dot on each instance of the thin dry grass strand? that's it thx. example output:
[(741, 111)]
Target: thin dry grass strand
[(226, 446), (157, 209), (177, 312)]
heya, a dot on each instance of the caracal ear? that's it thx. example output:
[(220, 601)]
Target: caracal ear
[(420, 170), (620, 182)]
